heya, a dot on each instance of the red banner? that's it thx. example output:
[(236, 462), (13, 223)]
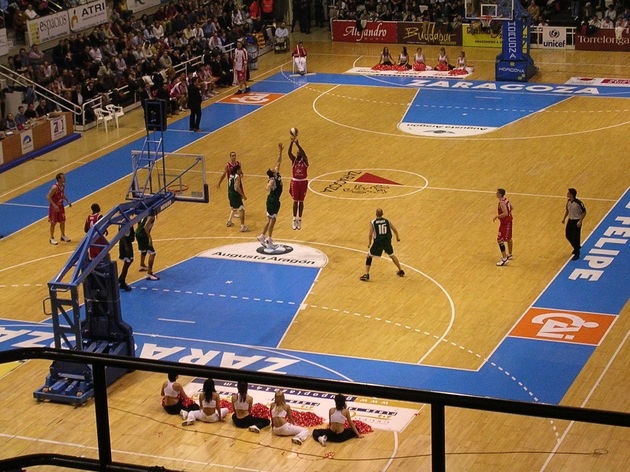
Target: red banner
[(373, 32), (603, 40), (428, 33)]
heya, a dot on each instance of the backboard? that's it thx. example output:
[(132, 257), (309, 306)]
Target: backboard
[(498, 9), (184, 175)]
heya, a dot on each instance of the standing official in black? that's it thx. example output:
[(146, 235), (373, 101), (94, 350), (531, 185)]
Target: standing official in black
[(575, 211), (194, 103)]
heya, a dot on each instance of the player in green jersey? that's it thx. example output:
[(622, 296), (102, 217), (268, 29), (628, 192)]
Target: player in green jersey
[(274, 187), (379, 240)]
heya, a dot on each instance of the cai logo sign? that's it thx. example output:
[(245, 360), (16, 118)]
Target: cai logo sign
[(27, 141)]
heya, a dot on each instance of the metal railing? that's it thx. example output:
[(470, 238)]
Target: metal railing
[(39, 90), (438, 401)]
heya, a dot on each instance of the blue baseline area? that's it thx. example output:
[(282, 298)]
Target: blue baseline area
[(611, 291), (435, 106), (214, 307), (456, 85), (547, 382)]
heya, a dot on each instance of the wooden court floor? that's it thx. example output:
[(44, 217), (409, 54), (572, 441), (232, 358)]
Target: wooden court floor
[(446, 231)]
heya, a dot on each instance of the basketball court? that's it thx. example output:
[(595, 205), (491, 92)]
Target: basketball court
[(429, 151)]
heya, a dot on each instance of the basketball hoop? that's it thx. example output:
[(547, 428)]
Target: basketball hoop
[(485, 20), (177, 188)]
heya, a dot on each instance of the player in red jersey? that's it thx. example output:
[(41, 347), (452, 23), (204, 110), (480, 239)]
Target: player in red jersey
[(56, 214), (91, 221), (299, 181), (240, 60), (228, 168), (505, 227)]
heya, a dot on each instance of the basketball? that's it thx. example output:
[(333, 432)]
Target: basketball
[(293, 132)]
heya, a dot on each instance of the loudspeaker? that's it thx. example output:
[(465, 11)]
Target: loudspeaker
[(155, 115)]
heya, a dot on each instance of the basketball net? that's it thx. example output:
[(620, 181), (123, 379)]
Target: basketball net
[(485, 20)]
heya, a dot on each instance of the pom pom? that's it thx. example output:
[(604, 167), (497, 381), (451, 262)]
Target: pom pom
[(260, 411), (307, 419), (226, 404), (362, 427)]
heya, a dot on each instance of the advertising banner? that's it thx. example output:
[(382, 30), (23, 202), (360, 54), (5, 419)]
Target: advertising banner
[(373, 32), (26, 139), (138, 5), (4, 42), (603, 40), (481, 39), (58, 127), (428, 33), (554, 37), (87, 15), (600, 81), (47, 28), (513, 45)]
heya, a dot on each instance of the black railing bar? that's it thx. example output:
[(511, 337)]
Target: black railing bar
[(540, 410), (72, 462)]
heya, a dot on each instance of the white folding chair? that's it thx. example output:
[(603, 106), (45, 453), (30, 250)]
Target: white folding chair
[(115, 111), (102, 116), (295, 70)]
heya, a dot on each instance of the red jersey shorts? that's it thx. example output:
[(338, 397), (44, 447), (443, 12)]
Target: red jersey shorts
[(298, 189), (56, 216), (241, 75), (505, 232)]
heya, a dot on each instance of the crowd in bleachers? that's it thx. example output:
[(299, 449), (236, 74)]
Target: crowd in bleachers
[(596, 13), (448, 12), (606, 13), (141, 54)]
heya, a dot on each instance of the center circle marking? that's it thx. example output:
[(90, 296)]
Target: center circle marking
[(345, 181)]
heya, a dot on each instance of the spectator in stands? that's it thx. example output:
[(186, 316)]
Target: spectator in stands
[(254, 15), (44, 107), (281, 36), (24, 59), (30, 112), (588, 11), (30, 13), (10, 124), (534, 11), (121, 65), (607, 23), (148, 51), (20, 118), (96, 54), (35, 56), (19, 24)]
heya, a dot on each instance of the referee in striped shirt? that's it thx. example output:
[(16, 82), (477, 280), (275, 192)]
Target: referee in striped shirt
[(575, 211)]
